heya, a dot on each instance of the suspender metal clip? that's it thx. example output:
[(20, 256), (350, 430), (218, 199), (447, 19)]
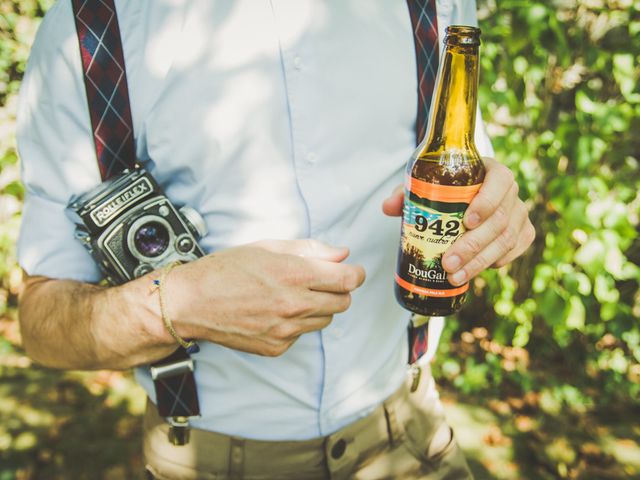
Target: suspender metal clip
[(158, 372), (179, 431), (416, 372)]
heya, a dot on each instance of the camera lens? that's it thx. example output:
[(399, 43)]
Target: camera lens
[(151, 239)]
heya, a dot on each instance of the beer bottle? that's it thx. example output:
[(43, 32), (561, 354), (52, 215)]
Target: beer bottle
[(444, 174)]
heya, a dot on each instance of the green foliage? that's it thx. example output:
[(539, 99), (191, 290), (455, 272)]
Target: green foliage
[(18, 21), (559, 91), (57, 425)]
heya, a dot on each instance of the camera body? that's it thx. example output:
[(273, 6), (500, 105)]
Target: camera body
[(131, 228)]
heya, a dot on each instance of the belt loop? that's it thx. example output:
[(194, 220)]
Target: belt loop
[(393, 427), (236, 459)]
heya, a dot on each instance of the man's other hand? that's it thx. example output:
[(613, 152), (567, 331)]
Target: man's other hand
[(261, 297), (497, 223)]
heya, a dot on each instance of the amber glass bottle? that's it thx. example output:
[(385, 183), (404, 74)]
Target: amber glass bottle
[(443, 175)]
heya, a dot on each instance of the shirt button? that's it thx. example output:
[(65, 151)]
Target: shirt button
[(337, 332), (312, 157), (297, 62)]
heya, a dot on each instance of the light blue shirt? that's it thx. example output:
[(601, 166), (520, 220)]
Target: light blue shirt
[(274, 119)]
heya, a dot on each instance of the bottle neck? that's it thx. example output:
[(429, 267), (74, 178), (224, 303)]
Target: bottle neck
[(453, 117)]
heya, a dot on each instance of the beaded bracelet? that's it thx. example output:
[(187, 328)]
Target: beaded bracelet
[(190, 346)]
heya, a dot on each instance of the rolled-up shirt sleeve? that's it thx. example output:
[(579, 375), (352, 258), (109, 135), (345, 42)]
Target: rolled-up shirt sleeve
[(56, 152)]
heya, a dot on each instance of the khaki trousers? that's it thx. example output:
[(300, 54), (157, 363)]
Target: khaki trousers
[(405, 438)]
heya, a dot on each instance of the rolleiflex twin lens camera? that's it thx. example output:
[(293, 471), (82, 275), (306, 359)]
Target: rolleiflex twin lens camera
[(131, 228)]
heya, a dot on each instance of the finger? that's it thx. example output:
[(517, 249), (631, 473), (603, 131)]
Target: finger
[(496, 250), (472, 242), (312, 324), (327, 304), (525, 240), (332, 277), (497, 183), (290, 331), (264, 348), (392, 205), (302, 304), (307, 247)]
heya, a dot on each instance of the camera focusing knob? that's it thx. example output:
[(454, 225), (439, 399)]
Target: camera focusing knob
[(194, 220), (184, 244)]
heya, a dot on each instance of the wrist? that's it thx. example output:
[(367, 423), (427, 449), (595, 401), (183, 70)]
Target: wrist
[(140, 299), (189, 345)]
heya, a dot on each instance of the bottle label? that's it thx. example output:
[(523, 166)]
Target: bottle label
[(432, 221)]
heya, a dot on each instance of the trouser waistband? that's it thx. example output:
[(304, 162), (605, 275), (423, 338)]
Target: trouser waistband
[(244, 458)]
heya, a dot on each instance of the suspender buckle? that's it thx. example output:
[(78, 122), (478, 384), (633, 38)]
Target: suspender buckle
[(179, 431)]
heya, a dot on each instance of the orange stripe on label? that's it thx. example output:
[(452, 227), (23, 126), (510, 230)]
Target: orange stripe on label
[(442, 193), (430, 292)]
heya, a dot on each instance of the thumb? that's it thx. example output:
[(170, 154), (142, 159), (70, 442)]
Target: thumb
[(307, 247), (392, 206)]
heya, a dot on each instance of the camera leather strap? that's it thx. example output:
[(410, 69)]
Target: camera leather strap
[(107, 93), (425, 35)]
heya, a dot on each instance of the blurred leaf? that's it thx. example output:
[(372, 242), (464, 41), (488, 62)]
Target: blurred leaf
[(575, 313), (623, 72)]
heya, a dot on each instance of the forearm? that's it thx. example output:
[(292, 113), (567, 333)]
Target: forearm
[(257, 298), (73, 325)]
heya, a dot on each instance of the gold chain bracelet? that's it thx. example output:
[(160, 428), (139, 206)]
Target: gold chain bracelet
[(190, 346)]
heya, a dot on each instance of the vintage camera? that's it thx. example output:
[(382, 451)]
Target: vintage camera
[(131, 228)]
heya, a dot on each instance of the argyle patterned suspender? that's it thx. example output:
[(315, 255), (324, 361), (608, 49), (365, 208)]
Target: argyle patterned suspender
[(107, 93), (425, 35), (105, 79)]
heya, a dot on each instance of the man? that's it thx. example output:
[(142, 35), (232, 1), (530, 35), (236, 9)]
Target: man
[(284, 124)]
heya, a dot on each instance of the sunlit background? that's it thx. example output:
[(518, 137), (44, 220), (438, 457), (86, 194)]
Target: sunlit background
[(541, 372)]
